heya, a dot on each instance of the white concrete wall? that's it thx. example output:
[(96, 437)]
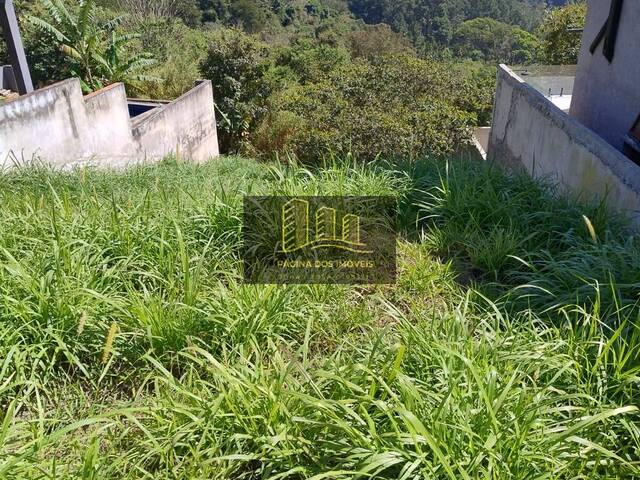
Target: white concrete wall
[(109, 126), (606, 95), (59, 126), (531, 133), (51, 124), (480, 140), (187, 127)]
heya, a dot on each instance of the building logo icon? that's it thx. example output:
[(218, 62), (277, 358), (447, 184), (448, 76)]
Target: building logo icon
[(297, 235), (336, 239)]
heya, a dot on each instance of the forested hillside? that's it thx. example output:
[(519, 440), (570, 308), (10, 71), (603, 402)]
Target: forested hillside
[(437, 20), (306, 78), (425, 22)]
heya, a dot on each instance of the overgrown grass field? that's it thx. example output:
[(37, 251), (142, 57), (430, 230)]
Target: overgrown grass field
[(130, 347)]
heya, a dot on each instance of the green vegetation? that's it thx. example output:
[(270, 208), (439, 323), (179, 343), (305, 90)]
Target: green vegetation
[(488, 39), (307, 78), (130, 348), (560, 34), (94, 51), (400, 106), (435, 21)]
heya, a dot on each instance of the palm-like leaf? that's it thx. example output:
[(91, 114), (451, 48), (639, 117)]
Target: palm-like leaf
[(114, 23), (53, 9), (84, 43), (85, 16), (47, 28)]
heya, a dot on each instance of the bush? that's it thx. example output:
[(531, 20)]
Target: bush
[(558, 45), (237, 64), (178, 49), (399, 106)]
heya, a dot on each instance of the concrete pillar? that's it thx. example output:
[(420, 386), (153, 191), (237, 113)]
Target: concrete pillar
[(9, 24)]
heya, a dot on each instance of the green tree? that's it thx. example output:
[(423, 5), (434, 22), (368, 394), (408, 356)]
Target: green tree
[(251, 15), (115, 66), (77, 35), (374, 41), (237, 65), (436, 21), (248, 14), (524, 47), (95, 52), (559, 34), (178, 51), (397, 106), (492, 40), (307, 61)]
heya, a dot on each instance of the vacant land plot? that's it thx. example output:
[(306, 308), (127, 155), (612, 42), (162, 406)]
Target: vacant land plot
[(130, 347)]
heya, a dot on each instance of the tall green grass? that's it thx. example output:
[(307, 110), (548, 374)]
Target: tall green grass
[(130, 348)]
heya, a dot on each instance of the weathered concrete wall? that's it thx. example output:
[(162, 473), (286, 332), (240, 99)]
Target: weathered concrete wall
[(530, 132), (480, 140), (51, 123), (59, 126), (187, 127), (606, 95), (109, 133)]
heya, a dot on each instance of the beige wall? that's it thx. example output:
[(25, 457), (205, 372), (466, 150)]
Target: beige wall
[(606, 95), (59, 126), (530, 132), (187, 127)]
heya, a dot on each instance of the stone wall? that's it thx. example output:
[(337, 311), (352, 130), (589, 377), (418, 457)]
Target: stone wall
[(57, 125), (606, 95), (529, 132)]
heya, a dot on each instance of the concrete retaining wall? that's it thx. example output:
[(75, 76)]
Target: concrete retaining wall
[(109, 134), (530, 132), (187, 127), (57, 125)]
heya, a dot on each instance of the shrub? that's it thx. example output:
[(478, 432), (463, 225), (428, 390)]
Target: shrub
[(398, 106), (559, 46), (237, 64), (178, 49)]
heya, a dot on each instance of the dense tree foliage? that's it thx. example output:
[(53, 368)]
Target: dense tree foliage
[(401, 106), (560, 34), (488, 39), (437, 20), (237, 65)]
